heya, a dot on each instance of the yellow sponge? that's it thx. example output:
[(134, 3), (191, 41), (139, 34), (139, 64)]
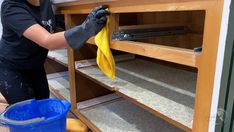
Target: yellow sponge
[(75, 125)]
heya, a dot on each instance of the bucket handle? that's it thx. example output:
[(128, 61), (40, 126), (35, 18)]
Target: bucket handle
[(6, 121), (66, 104)]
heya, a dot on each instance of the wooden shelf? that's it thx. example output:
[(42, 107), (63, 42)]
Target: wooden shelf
[(59, 84), (59, 56), (104, 111), (120, 116), (57, 75), (154, 87), (167, 53), (96, 101)]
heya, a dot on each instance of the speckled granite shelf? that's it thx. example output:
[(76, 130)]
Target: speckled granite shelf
[(57, 74), (59, 55), (166, 91), (59, 83), (123, 116)]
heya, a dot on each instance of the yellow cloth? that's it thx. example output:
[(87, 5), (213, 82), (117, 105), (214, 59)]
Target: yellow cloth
[(105, 59)]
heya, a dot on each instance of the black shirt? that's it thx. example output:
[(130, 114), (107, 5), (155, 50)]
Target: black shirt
[(16, 51)]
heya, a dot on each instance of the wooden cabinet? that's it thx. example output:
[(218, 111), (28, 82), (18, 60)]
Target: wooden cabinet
[(162, 82)]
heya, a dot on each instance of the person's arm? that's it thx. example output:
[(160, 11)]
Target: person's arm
[(74, 37), (45, 39)]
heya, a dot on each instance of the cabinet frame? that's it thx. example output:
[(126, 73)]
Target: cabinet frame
[(205, 62)]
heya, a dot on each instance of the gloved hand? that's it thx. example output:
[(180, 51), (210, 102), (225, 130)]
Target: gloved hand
[(95, 21)]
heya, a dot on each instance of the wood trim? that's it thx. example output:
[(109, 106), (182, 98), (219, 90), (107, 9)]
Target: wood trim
[(72, 77), (127, 6), (206, 67), (71, 65)]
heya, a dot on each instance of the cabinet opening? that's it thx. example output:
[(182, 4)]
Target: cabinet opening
[(77, 19), (183, 29), (60, 22)]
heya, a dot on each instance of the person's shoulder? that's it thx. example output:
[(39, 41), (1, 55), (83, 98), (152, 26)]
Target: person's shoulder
[(10, 5)]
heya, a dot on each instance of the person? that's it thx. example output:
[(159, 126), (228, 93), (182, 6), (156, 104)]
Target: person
[(28, 34)]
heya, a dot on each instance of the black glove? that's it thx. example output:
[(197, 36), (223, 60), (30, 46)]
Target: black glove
[(95, 21)]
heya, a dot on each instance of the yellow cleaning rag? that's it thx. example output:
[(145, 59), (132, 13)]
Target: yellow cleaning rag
[(105, 59)]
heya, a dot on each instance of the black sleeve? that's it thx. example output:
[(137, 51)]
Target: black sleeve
[(17, 18)]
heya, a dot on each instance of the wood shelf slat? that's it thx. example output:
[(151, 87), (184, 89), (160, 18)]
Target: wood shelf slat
[(57, 75), (167, 53), (154, 88), (121, 115), (59, 56)]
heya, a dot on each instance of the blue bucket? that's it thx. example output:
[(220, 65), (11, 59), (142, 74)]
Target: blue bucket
[(36, 116)]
